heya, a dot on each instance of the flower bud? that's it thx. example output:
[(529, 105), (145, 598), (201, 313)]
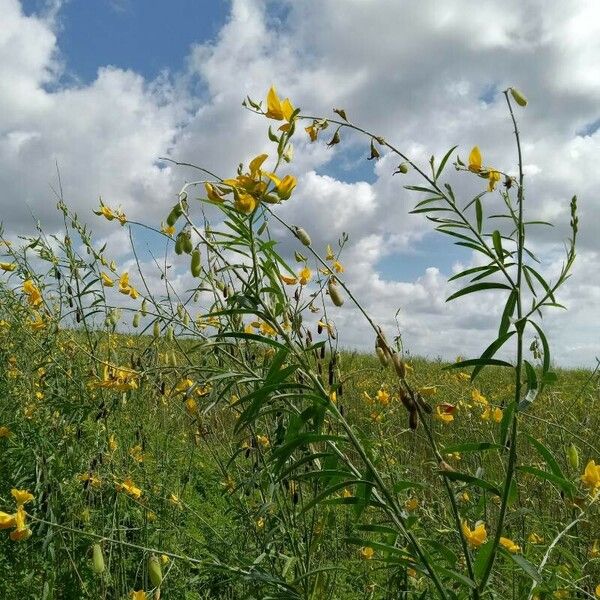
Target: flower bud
[(518, 96), (573, 456)]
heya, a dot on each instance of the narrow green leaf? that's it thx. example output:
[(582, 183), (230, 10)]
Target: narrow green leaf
[(444, 161), (477, 288), (489, 352), (479, 214)]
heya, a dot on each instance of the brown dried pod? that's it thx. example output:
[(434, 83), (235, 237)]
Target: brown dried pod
[(413, 419), (399, 365), (407, 401)]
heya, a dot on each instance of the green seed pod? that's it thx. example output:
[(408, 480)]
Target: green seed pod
[(179, 245), (187, 243), (518, 96), (144, 307), (173, 358), (573, 456), (113, 318), (186, 319), (154, 571), (97, 559), (382, 356), (156, 329), (334, 293), (170, 334), (262, 228), (195, 263), (136, 320), (302, 236), (399, 365), (174, 215), (180, 311), (402, 168), (196, 296)]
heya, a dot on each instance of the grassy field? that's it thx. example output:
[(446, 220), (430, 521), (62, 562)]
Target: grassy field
[(207, 506)]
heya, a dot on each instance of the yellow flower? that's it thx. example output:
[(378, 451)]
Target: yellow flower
[(346, 493), (167, 229), (383, 397), (288, 280), (411, 504), (21, 531), (475, 537), (478, 398), (495, 414), (6, 521), (191, 406), (5, 432), (139, 595), (509, 545), (21, 496), (245, 203), (8, 266), (494, 178), (112, 443), (338, 267), (37, 323), (263, 440), (284, 186), (174, 500), (313, 132), (591, 476), (212, 193), (34, 296), (598, 591), (305, 276), (367, 552), (534, 538), (129, 488), (276, 108), (475, 160), (255, 165), (106, 280), (443, 414), (136, 453)]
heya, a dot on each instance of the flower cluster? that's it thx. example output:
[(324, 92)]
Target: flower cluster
[(18, 520), (119, 379)]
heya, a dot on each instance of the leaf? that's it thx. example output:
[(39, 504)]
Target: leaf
[(477, 288), (497, 241), (566, 486), (489, 352), (444, 161), (526, 566), (471, 362), (472, 447), (546, 455), (509, 309), (471, 480), (479, 214)]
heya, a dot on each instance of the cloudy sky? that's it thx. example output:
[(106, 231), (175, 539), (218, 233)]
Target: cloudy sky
[(104, 88)]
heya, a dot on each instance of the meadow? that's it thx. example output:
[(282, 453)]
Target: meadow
[(220, 443)]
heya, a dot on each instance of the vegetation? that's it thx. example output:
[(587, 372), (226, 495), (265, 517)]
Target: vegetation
[(216, 442)]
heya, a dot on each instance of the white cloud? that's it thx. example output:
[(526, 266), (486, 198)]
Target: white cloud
[(421, 74)]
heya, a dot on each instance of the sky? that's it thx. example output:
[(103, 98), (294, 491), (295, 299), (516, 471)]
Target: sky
[(105, 88)]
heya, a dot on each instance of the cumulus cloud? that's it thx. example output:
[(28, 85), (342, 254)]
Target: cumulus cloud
[(424, 75)]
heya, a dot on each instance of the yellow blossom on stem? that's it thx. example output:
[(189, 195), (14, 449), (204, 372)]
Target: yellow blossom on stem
[(167, 229), (276, 108), (106, 280), (288, 280), (509, 545), (443, 413), (411, 504), (478, 397), (475, 537), (34, 296), (283, 187), (591, 476), (5, 266), (430, 390), (129, 488), (21, 496), (6, 521), (37, 323), (5, 432), (338, 267), (21, 531), (493, 177), (534, 538), (383, 397), (493, 414), (139, 595), (305, 276), (245, 203), (475, 160), (367, 552)]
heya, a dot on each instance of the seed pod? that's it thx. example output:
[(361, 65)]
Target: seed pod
[(186, 319), (187, 243), (573, 456), (334, 293), (262, 228), (154, 571), (424, 404), (144, 308), (174, 215), (136, 320), (413, 419), (195, 263), (170, 334), (113, 318), (518, 96), (180, 311), (156, 329), (97, 559), (302, 236), (179, 245), (407, 401), (399, 365), (402, 168), (382, 356)]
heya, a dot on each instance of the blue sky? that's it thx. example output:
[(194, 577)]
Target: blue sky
[(146, 36)]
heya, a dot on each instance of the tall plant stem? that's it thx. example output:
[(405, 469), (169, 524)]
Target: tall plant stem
[(520, 326)]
